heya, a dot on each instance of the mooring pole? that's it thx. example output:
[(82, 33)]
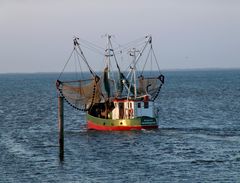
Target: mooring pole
[(60, 127)]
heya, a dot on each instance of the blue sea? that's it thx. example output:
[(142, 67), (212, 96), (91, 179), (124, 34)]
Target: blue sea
[(198, 139)]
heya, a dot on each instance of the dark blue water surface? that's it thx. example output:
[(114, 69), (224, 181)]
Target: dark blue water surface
[(198, 139)]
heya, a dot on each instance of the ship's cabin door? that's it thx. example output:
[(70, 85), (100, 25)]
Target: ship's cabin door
[(121, 110)]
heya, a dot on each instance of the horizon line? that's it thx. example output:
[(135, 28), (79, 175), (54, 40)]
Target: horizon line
[(162, 70)]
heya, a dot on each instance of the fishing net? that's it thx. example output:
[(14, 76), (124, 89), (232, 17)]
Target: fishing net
[(150, 86), (80, 94)]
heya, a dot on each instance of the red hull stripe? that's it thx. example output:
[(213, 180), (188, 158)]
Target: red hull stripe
[(93, 126)]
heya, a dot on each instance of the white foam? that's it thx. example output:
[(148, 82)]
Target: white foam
[(14, 147)]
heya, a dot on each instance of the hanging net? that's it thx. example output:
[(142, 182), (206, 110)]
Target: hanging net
[(81, 94), (150, 86)]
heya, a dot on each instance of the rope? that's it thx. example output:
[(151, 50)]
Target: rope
[(128, 45), (93, 49), (156, 60), (114, 57), (146, 61), (85, 60), (75, 107), (92, 44), (80, 67), (66, 64), (139, 54), (75, 64), (158, 91)]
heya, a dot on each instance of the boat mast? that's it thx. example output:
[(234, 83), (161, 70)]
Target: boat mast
[(133, 54), (108, 50)]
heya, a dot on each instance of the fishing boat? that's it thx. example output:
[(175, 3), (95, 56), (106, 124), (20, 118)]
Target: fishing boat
[(116, 99)]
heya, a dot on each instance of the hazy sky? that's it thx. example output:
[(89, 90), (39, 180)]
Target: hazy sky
[(36, 36)]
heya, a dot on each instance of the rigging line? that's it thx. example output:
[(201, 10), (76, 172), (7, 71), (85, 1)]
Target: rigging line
[(132, 42), (76, 44), (93, 45), (80, 67), (114, 56), (119, 45), (93, 49), (155, 59), (151, 61), (141, 52), (137, 71), (137, 46), (138, 56), (85, 60), (75, 63), (126, 49), (146, 61), (66, 63)]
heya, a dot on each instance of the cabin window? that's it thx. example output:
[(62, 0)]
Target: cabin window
[(146, 104), (139, 105)]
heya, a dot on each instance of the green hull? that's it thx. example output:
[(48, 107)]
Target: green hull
[(121, 124)]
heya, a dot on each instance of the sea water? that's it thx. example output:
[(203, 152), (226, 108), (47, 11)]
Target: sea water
[(198, 139)]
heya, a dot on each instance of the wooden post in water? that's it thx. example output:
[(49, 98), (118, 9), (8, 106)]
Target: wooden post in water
[(60, 127)]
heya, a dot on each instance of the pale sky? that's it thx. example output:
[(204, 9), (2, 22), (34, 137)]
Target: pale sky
[(36, 36)]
